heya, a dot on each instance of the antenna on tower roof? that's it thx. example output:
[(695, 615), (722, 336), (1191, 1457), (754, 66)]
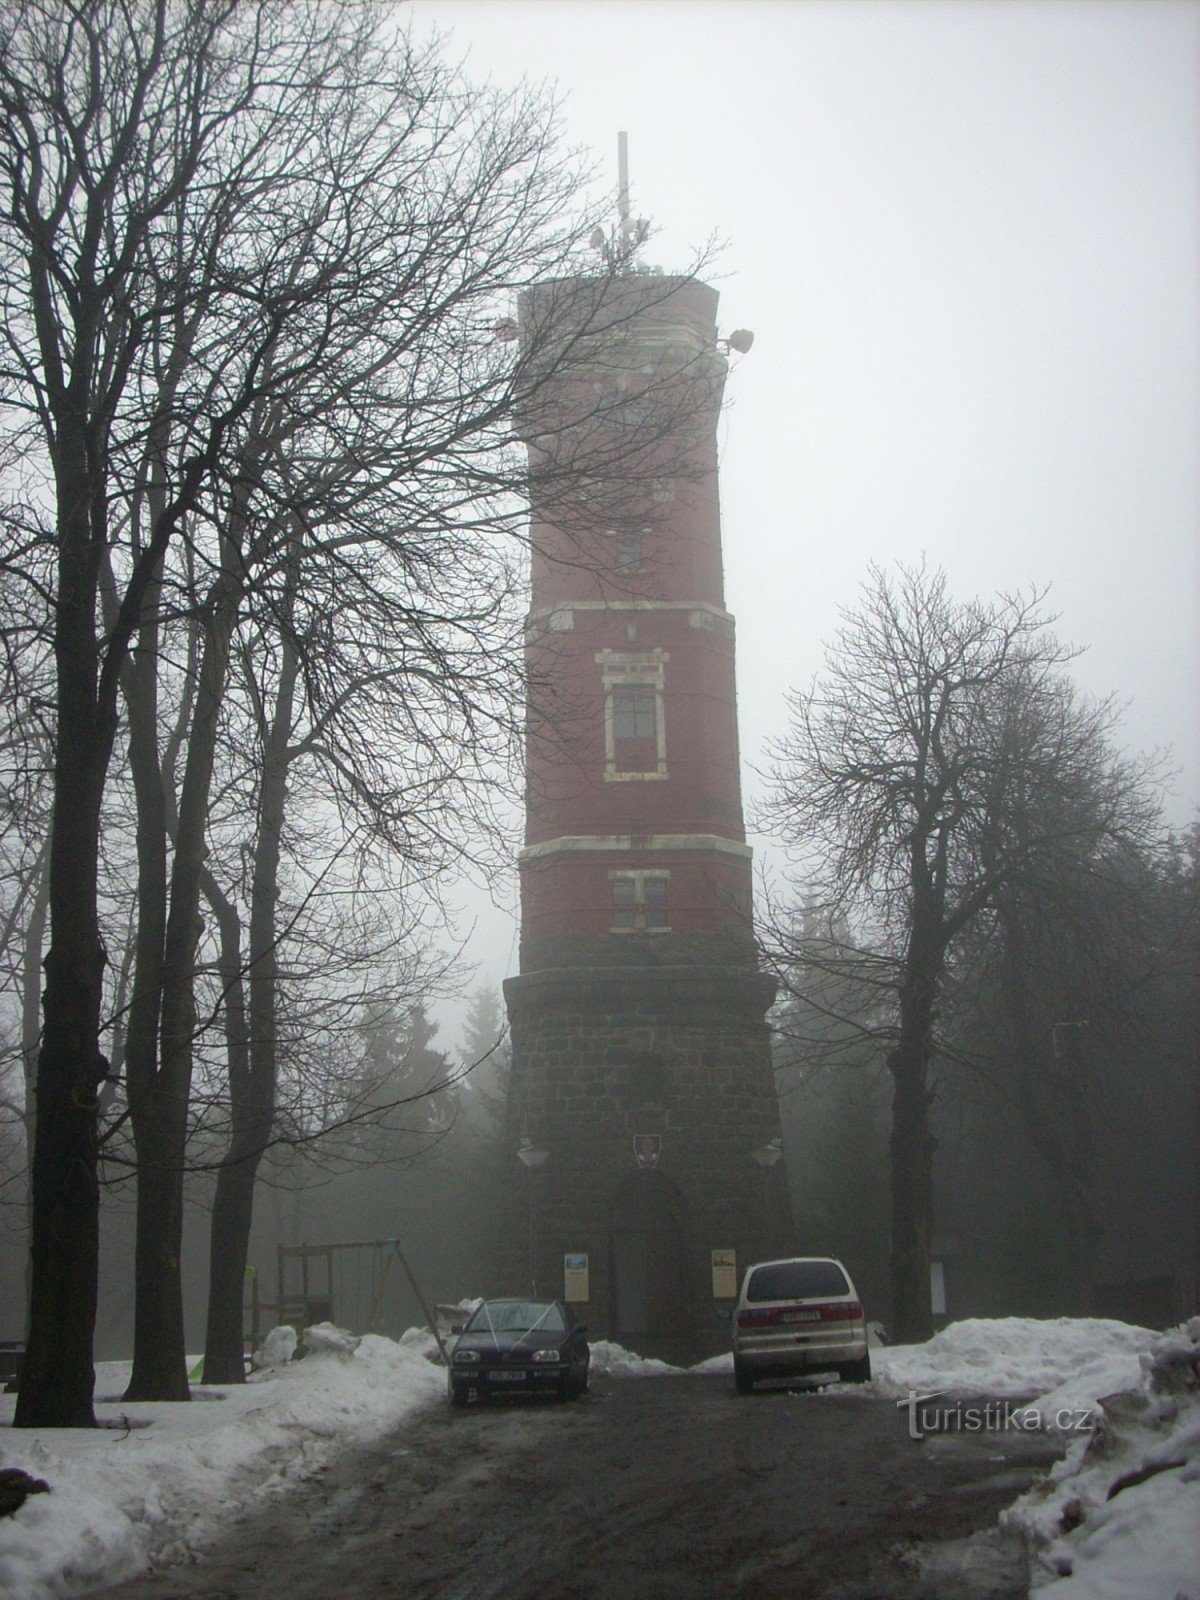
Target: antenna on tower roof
[(620, 247), (623, 181)]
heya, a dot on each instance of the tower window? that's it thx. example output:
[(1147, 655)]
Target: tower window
[(635, 741), (634, 711), (639, 901), (629, 551)]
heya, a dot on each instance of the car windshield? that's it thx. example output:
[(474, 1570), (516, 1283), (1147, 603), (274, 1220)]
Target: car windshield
[(797, 1280), (517, 1316)]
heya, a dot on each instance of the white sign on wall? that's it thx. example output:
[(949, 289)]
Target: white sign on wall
[(575, 1277), (724, 1274)]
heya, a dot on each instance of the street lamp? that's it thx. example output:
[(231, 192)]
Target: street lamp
[(532, 1156), (767, 1155)]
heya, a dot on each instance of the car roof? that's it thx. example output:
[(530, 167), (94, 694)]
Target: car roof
[(787, 1261), (519, 1300)]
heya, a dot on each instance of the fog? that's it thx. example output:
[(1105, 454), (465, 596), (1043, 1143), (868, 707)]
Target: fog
[(965, 239)]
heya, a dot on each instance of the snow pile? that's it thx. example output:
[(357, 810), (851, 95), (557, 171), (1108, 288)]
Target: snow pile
[(1066, 1361), (277, 1349), (159, 1481), (722, 1363), (611, 1360), (420, 1342), (323, 1338), (1120, 1516)]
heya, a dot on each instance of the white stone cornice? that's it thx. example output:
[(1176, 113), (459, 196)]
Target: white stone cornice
[(585, 843), (542, 612)]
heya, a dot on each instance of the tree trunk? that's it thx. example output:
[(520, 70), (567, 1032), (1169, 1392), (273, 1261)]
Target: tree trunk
[(161, 1111), (232, 1216), (31, 1032), (141, 1041), (1054, 1100), (253, 1100), (223, 1348), (59, 1376), (912, 1148)]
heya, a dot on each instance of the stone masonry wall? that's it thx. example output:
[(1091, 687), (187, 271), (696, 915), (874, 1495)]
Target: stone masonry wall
[(603, 1055)]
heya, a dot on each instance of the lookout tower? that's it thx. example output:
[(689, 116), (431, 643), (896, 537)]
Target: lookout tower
[(641, 1100)]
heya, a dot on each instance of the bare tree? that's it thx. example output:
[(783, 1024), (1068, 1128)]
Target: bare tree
[(1058, 1006), (376, 590), (943, 758), (112, 113)]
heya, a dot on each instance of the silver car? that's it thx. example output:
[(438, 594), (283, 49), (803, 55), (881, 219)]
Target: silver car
[(795, 1317)]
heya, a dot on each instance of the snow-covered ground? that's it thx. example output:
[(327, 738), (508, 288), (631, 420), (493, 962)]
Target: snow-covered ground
[(1141, 1392), (1120, 1516), (122, 1498), (164, 1485)]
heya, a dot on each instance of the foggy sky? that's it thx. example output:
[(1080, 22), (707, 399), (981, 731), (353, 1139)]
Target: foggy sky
[(965, 237)]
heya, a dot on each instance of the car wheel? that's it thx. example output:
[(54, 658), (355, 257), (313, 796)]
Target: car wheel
[(742, 1379), (458, 1394), (856, 1371)]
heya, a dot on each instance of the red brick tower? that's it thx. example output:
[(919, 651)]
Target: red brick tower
[(641, 1099)]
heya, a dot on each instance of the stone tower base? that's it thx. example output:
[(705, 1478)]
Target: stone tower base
[(649, 1088)]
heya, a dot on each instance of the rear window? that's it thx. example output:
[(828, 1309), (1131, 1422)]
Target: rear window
[(797, 1280)]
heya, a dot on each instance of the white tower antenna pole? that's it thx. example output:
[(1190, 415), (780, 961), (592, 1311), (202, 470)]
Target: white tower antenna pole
[(623, 179)]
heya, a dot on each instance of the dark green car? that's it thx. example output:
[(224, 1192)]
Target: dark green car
[(519, 1346)]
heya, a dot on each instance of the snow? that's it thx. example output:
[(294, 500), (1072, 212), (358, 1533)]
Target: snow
[(1145, 1539), (614, 1361), (721, 1363), (323, 1338), (1063, 1361), (124, 1498), (277, 1349), (161, 1481)]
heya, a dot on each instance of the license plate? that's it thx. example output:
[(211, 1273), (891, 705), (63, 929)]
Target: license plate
[(506, 1377), (801, 1316)]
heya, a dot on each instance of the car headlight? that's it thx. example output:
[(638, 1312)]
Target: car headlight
[(464, 1356), (546, 1355)]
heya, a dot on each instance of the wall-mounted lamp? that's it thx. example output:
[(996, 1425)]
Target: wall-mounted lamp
[(768, 1154), (738, 341), (531, 1154)]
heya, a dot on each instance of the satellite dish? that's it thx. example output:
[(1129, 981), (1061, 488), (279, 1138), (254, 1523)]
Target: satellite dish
[(597, 241), (740, 340)]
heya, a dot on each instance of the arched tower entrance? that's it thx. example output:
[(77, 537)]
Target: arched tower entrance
[(648, 1253)]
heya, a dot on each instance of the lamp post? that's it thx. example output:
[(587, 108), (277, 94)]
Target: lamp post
[(767, 1155), (532, 1156)]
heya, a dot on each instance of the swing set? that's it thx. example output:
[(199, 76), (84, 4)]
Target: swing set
[(344, 1283)]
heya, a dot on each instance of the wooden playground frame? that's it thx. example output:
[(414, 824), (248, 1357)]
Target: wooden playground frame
[(307, 1306)]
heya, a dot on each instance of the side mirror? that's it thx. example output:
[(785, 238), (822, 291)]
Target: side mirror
[(724, 1313), (457, 1328), (580, 1327)]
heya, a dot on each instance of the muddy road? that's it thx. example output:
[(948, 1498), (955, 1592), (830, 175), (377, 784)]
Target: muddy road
[(647, 1489)]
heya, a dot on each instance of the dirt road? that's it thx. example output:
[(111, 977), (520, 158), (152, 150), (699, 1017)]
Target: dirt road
[(647, 1489)]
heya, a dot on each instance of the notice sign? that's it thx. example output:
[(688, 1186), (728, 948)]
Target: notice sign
[(724, 1271), (575, 1277)]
